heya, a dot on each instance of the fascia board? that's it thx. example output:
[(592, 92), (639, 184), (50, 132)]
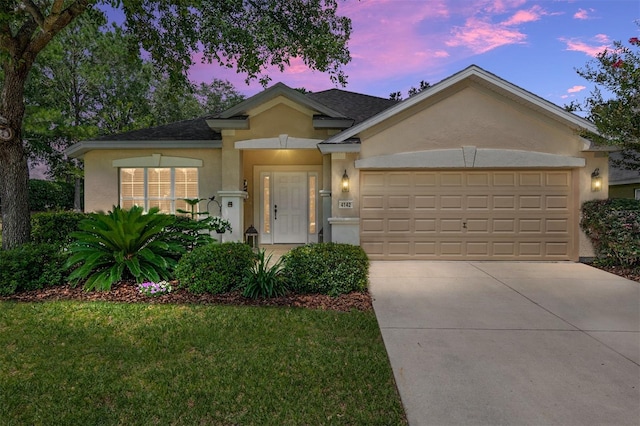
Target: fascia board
[(328, 148), (79, 149)]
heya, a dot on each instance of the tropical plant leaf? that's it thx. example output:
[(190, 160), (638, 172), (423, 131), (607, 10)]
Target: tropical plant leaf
[(110, 247)]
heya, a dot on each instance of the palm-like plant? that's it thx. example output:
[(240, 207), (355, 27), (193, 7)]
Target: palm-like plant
[(121, 243)]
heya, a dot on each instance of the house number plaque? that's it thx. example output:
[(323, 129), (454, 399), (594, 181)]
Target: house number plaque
[(345, 204)]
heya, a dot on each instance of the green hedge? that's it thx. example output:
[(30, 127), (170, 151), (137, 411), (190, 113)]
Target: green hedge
[(31, 267), (326, 268), (55, 227), (47, 195), (215, 268), (613, 226)]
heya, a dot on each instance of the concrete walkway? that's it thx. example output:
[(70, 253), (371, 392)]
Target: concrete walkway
[(510, 343)]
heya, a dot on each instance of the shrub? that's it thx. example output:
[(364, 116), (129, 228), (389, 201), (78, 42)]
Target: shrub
[(214, 268), (55, 227), (123, 244), (47, 195), (614, 229), (264, 280), (30, 267), (326, 268)]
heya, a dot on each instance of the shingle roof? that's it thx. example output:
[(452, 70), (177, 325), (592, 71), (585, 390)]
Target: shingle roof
[(187, 130), (620, 176), (352, 105)]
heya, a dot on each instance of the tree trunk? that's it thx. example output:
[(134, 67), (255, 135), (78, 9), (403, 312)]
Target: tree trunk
[(14, 170)]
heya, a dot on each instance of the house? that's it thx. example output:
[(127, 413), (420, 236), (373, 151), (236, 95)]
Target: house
[(623, 183), (472, 168)]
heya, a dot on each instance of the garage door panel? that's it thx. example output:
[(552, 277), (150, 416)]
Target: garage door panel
[(424, 202), (504, 179), (460, 215), (399, 201), (530, 202), (531, 179), (451, 202), (504, 202), (560, 179), (448, 179), (557, 202)]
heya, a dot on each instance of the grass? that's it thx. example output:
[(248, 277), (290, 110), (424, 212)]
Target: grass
[(108, 363)]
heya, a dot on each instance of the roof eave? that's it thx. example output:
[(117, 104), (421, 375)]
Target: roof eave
[(79, 149)]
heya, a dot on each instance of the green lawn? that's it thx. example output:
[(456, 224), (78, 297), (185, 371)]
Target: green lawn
[(108, 363)]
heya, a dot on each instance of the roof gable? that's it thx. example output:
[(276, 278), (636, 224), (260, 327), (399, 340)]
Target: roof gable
[(279, 89), (482, 77)]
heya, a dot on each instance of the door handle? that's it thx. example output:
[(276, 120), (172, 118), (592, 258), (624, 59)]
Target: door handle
[(275, 212)]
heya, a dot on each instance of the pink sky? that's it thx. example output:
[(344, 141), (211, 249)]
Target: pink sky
[(397, 43)]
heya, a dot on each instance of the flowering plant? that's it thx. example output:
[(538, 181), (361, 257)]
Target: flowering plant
[(219, 224), (154, 289)]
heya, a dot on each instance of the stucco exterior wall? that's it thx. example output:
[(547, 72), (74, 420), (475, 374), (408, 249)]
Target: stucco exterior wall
[(279, 116), (101, 186), (624, 191), (471, 115)]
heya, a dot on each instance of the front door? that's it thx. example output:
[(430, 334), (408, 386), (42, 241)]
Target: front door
[(289, 207)]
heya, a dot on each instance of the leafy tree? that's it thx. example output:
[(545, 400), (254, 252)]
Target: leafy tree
[(85, 82), (249, 35), (616, 72), (171, 102)]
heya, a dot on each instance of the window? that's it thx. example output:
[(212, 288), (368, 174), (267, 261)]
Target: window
[(637, 194), (163, 187), (312, 203)]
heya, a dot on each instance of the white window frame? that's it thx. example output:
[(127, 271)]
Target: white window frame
[(147, 198), (637, 193), (156, 161)]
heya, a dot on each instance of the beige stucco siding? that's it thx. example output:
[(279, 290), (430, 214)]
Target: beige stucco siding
[(471, 116), (101, 181), (280, 118)]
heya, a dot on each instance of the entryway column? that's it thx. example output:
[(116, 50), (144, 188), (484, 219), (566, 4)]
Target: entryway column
[(325, 196), (233, 211)]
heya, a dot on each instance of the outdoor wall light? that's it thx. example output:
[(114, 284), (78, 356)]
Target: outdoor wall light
[(596, 181), (345, 181)]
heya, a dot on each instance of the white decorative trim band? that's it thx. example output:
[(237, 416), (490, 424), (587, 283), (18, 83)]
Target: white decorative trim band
[(281, 142), (470, 157), (157, 160)]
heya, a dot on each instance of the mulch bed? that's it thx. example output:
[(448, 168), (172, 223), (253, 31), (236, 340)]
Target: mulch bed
[(128, 293), (630, 274)]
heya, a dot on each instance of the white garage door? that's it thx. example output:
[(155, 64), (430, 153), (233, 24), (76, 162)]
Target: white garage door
[(468, 215)]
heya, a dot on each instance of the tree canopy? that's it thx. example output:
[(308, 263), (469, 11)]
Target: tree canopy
[(248, 35), (614, 105)]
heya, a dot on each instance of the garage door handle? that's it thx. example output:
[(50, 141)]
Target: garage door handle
[(275, 212), (464, 225)]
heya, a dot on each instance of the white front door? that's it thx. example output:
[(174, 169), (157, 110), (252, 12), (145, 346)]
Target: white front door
[(289, 207)]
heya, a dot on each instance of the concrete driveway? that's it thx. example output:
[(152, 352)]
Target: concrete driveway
[(510, 343)]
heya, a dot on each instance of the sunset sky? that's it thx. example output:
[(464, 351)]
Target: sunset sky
[(536, 45)]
